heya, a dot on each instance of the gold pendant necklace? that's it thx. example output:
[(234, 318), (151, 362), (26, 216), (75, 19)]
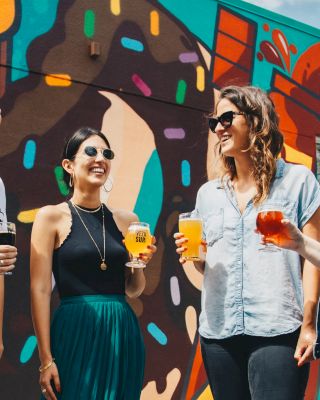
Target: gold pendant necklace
[(103, 265)]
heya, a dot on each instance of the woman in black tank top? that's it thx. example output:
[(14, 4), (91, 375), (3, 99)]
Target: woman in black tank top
[(94, 349)]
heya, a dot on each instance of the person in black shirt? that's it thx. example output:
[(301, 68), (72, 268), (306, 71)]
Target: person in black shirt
[(95, 349)]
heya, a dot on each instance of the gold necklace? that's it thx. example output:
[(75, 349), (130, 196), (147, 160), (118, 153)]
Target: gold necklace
[(103, 265)]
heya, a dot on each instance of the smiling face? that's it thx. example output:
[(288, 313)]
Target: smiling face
[(234, 139), (88, 168)]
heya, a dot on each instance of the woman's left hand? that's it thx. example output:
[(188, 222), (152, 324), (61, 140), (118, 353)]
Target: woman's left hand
[(305, 345), (146, 257)]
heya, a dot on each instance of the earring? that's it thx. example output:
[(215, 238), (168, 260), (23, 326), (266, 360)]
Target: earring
[(110, 186), (71, 181)]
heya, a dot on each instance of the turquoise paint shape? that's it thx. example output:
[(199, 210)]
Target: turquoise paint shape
[(149, 202), (29, 154), (89, 23), (132, 44), (185, 173), (37, 18), (157, 333), (198, 16), (28, 349)]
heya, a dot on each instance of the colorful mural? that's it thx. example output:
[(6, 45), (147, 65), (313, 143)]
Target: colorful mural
[(145, 73)]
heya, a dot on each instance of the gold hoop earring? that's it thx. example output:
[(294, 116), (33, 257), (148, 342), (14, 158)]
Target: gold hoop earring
[(110, 186), (71, 181)]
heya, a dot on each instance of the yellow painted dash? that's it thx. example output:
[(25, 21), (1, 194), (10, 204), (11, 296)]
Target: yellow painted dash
[(27, 217), (154, 23), (200, 78), (115, 7)]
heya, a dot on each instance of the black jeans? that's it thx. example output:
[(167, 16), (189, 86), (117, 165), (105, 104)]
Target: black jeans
[(258, 368)]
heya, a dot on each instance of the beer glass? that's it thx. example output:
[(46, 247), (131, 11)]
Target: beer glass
[(269, 224), (137, 240), (191, 226), (7, 236)]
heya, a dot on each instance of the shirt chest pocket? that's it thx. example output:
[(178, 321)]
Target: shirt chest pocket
[(213, 226), (288, 208)]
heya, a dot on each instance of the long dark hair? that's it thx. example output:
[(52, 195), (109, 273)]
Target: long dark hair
[(72, 145)]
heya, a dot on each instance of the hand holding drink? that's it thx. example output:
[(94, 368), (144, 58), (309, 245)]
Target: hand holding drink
[(270, 226), (138, 241), (8, 252), (190, 225)]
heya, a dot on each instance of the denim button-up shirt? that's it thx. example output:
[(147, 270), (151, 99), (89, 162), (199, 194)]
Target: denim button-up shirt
[(246, 290)]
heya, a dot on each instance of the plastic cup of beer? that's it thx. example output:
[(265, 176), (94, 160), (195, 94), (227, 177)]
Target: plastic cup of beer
[(191, 226), (270, 226), (137, 240)]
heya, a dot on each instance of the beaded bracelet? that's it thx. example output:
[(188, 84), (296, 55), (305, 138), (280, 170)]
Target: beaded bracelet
[(41, 369)]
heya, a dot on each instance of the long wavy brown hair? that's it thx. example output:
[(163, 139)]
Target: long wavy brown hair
[(266, 140)]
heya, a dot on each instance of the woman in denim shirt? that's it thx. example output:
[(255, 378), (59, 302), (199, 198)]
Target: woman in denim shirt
[(258, 318)]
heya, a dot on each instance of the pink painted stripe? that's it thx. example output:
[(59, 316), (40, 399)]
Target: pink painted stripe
[(188, 57), (174, 133), (141, 85)]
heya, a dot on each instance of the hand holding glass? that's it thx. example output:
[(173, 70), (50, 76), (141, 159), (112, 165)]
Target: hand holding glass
[(7, 237), (137, 240), (270, 226), (191, 227)]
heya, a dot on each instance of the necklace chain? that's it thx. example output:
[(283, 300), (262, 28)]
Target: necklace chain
[(103, 264), (87, 211)]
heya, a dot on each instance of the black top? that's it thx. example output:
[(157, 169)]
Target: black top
[(76, 263)]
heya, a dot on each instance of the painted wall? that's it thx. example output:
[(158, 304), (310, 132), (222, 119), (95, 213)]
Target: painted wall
[(149, 90)]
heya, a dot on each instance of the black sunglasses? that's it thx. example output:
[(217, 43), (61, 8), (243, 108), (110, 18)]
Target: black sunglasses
[(92, 151), (225, 120)]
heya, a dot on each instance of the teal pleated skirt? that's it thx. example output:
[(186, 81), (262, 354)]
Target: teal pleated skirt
[(98, 348)]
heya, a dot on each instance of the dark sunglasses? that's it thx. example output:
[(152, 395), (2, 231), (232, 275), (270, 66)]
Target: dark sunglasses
[(225, 120), (92, 151)]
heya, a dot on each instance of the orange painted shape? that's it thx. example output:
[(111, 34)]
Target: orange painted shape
[(3, 71), (297, 157), (236, 27), (7, 8), (226, 73), (311, 390), (233, 50), (197, 377), (306, 69), (58, 80), (289, 88)]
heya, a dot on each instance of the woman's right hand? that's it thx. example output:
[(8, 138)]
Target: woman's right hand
[(46, 377), (181, 241), (290, 238)]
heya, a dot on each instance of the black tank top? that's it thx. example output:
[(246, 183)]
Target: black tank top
[(76, 263)]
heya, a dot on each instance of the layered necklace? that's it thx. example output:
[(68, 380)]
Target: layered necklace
[(103, 265)]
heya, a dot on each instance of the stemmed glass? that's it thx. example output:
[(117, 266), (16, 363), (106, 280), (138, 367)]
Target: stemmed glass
[(270, 226), (7, 237), (137, 240)]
